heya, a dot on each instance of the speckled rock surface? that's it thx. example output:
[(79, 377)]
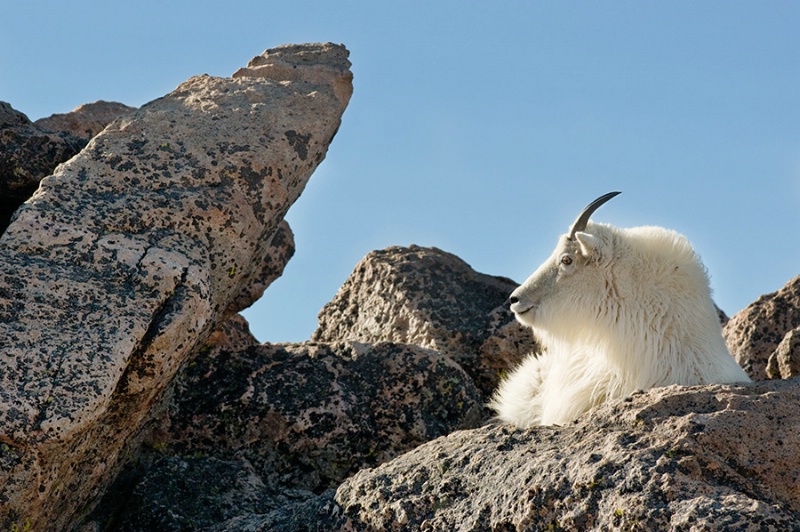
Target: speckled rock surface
[(178, 494), (273, 254), (85, 121), (310, 415), (704, 458), (302, 417), (126, 258), (784, 362), (27, 154), (430, 298), (754, 333)]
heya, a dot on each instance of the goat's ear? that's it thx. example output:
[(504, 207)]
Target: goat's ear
[(592, 247)]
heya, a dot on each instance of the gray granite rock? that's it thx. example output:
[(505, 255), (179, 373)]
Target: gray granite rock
[(427, 297), (197, 492), (702, 458), (784, 362), (27, 154), (85, 121), (309, 415), (754, 333), (130, 254)]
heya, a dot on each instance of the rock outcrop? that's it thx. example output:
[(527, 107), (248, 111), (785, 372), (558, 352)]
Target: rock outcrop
[(784, 362), (764, 331), (85, 121), (27, 154), (296, 420), (430, 298), (671, 458), (309, 415), (129, 255)]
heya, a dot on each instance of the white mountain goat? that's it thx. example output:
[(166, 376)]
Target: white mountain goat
[(616, 310)]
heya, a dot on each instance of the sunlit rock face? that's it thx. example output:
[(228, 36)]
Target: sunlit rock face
[(127, 257)]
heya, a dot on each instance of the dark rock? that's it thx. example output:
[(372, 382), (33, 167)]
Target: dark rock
[(27, 154), (307, 416), (198, 492)]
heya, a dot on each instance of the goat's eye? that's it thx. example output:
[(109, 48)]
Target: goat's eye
[(566, 260)]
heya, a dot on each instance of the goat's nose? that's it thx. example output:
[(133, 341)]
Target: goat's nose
[(511, 300)]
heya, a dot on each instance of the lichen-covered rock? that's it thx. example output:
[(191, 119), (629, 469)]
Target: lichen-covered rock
[(430, 298), (702, 458), (198, 492), (309, 415), (27, 154), (784, 362), (233, 334), (754, 333), (273, 255), (128, 256), (85, 121)]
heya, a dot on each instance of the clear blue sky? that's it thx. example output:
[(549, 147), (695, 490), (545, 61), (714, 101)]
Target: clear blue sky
[(481, 128)]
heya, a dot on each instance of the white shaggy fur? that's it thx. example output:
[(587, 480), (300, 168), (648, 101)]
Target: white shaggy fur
[(616, 310)]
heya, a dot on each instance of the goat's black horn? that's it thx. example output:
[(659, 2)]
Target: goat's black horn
[(583, 217)]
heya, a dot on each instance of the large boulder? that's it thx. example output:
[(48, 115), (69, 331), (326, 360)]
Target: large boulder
[(27, 154), (310, 415), (195, 492), (427, 297), (755, 334), (677, 458), (85, 121), (131, 253), (287, 421), (784, 362)]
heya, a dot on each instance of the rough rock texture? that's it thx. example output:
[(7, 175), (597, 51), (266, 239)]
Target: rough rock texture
[(273, 255), (755, 333), (27, 154), (196, 492), (426, 297), (85, 121), (125, 260), (669, 459), (299, 418), (784, 362), (310, 415)]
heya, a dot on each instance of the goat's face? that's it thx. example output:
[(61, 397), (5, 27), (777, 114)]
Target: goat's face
[(572, 282), (568, 282)]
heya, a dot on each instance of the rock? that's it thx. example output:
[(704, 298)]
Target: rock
[(426, 297), (273, 255), (754, 333), (784, 362), (127, 258), (302, 417), (179, 494), (232, 335), (85, 121), (307, 416), (27, 154), (706, 458)]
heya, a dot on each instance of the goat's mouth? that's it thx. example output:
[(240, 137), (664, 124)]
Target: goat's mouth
[(521, 310)]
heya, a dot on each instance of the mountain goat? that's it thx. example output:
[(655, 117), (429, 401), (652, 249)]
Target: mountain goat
[(616, 310)]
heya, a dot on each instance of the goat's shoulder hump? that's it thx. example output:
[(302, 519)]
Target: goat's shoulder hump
[(656, 240)]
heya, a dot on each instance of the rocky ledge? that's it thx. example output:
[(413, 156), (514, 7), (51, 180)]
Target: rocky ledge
[(133, 396)]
